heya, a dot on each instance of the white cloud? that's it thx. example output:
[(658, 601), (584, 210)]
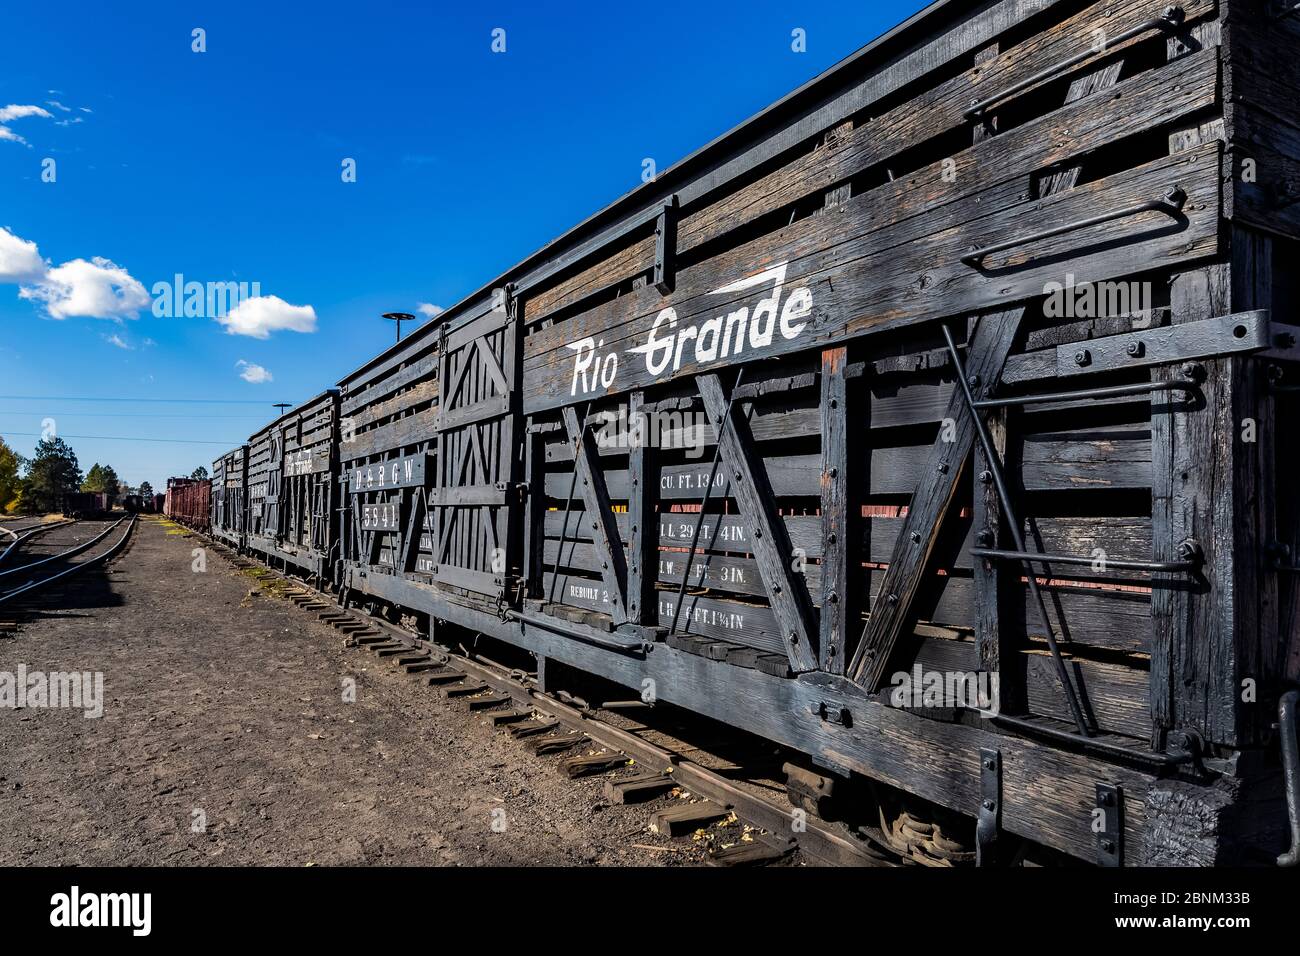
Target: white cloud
[(20, 260), (58, 106), (261, 315), (254, 373), (98, 289), (12, 112), (117, 340), (429, 309)]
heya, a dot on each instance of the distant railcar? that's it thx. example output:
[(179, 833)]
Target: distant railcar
[(88, 504), (187, 502), (229, 500)]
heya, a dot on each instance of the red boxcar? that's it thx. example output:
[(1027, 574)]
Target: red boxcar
[(186, 502)]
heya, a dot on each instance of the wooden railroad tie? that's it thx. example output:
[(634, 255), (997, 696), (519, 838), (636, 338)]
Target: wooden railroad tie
[(687, 818), (761, 850), (444, 676), (393, 651), (640, 788), (467, 691), (419, 667), (557, 744), (506, 718), (533, 728), (489, 702), (584, 765)]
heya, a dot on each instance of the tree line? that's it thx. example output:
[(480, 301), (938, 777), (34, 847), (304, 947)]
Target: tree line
[(38, 484)]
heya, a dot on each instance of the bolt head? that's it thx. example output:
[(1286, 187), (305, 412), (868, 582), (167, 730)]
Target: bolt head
[(986, 476), (1082, 357)]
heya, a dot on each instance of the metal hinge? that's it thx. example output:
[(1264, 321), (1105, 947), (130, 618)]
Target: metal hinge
[(990, 816), (665, 272), (1108, 825)]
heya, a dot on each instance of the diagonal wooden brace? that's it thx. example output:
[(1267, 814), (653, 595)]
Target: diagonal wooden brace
[(744, 469), (599, 514), (931, 502)]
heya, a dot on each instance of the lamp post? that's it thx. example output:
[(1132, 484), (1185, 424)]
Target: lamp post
[(399, 318)]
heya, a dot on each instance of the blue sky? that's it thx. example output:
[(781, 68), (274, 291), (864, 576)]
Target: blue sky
[(226, 165)]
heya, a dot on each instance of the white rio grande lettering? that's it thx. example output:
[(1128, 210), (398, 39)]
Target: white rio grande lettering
[(721, 337)]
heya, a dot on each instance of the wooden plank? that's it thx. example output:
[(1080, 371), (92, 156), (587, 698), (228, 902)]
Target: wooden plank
[(599, 516), (986, 353), (836, 498), (991, 175), (641, 532), (755, 498), (833, 280)]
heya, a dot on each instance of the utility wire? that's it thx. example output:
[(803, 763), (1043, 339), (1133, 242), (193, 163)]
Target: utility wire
[(185, 401), (168, 441)]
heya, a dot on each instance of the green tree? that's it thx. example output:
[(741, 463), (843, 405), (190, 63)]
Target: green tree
[(94, 480), (102, 478), (200, 474), (10, 484), (52, 473), (146, 490)]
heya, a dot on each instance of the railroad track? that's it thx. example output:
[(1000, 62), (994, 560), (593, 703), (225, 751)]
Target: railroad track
[(13, 539), (767, 828), (22, 584)]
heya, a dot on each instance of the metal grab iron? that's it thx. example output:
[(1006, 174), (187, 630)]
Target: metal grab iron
[(1171, 205), (1171, 17)]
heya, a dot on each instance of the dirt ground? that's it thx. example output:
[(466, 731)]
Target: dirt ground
[(227, 708)]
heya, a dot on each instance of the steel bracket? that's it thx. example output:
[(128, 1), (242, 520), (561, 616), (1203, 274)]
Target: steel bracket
[(1108, 825), (989, 823), (665, 276), (833, 714), (1164, 345)]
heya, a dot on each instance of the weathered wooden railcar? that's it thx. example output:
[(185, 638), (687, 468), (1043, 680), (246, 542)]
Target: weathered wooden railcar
[(230, 497), (960, 368), (292, 468)]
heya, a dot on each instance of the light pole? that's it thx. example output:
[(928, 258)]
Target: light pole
[(399, 318)]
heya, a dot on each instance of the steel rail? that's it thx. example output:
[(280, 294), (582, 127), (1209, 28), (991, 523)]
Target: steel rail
[(76, 568), (69, 553), (30, 533)]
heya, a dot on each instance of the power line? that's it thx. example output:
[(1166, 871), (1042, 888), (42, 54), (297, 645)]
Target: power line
[(168, 441), (251, 416), (165, 401)]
